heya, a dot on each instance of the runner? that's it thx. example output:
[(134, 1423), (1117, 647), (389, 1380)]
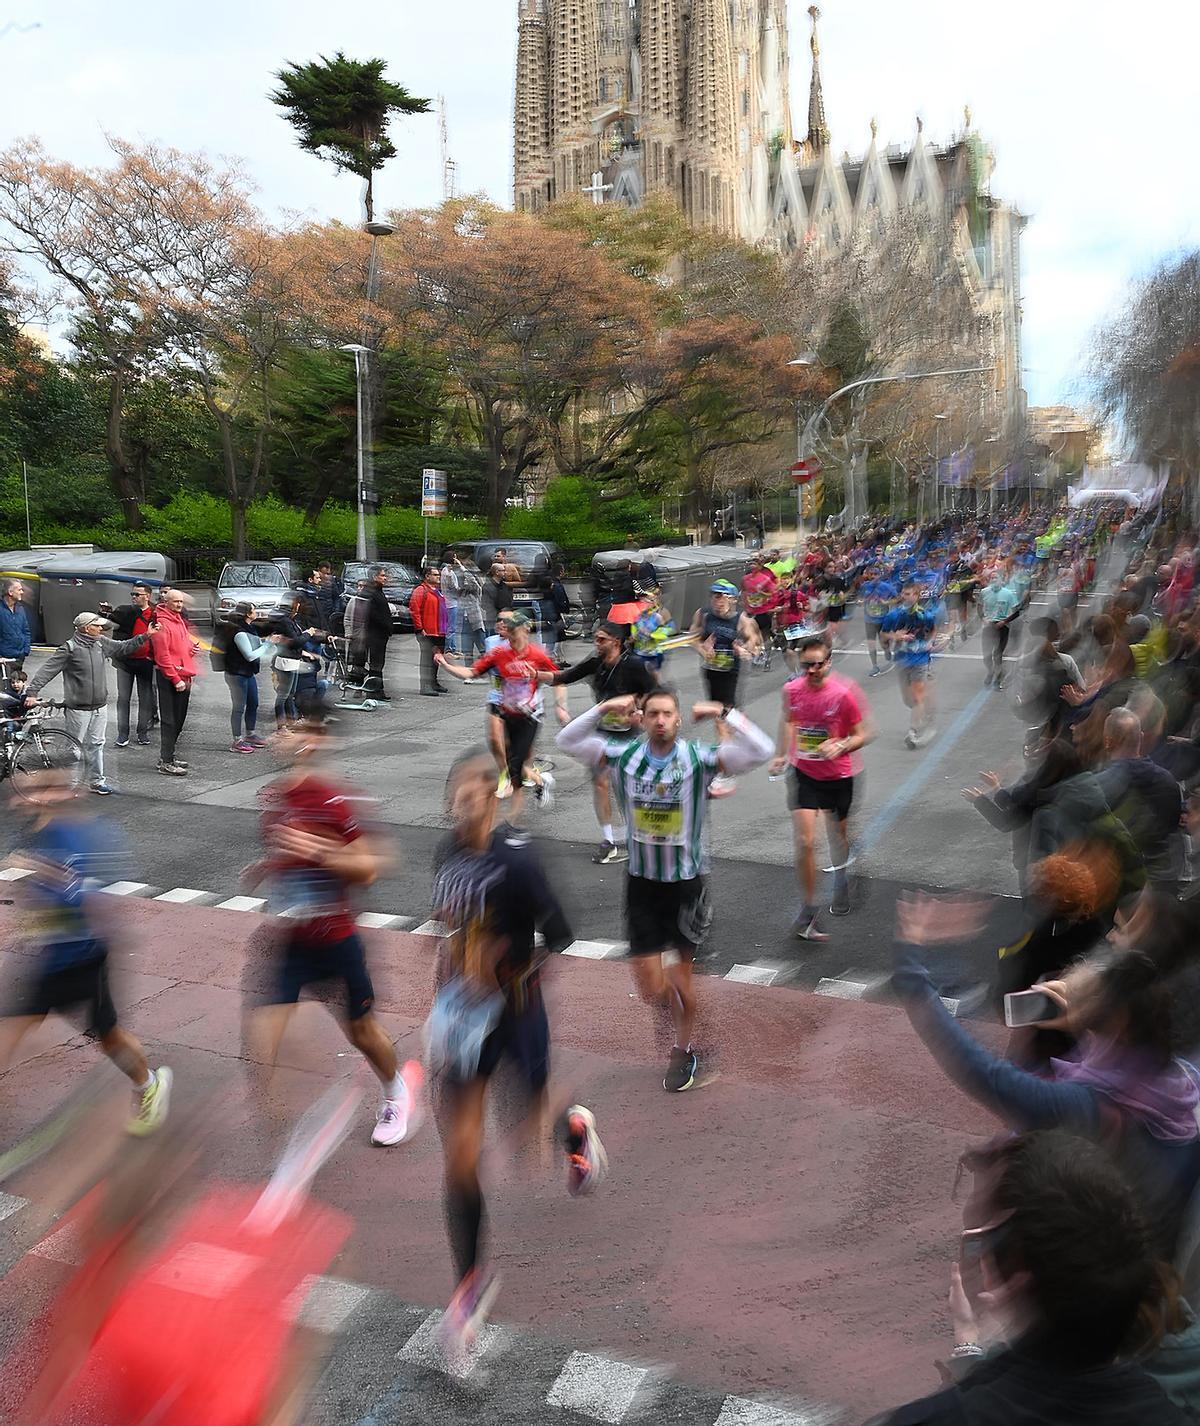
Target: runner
[(879, 593), (760, 595), (724, 637), (517, 661), (317, 851), (662, 781), (69, 854), (999, 605), (491, 892), (792, 619), (824, 723), (612, 670), (911, 629)]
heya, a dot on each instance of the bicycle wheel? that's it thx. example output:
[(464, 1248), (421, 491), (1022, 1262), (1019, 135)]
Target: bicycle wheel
[(46, 750)]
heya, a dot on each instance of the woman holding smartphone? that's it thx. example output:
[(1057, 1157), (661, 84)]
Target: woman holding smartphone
[(1125, 1090)]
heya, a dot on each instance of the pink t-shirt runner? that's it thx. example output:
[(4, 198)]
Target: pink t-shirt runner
[(816, 714), (761, 591)]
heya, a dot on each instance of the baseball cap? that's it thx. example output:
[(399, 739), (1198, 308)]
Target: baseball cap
[(84, 619), (517, 620), (723, 586)]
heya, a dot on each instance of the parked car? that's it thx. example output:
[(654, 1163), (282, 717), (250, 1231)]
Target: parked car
[(523, 555), (267, 584), (402, 579)]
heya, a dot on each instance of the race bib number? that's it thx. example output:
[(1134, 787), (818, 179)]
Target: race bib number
[(808, 740), (795, 632), (658, 823), (614, 723), (721, 661)]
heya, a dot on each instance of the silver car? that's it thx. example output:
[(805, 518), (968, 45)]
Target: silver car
[(267, 584)]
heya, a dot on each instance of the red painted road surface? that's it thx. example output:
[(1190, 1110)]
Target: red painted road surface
[(787, 1228)]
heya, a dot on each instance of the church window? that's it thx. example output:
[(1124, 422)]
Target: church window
[(604, 89)]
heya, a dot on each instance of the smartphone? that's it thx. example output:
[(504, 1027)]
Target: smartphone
[(1029, 1007)]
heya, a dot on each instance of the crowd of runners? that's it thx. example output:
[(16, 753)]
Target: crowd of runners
[(1105, 685)]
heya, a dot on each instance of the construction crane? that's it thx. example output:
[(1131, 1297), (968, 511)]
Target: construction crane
[(449, 167)]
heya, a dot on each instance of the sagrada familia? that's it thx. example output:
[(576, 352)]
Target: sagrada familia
[(618, 99)]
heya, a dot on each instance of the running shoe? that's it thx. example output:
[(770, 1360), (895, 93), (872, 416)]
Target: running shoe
[(840, 905), (722, 786), (587, 1163), (241, 746), (610, 853), (467, 1313), (143, 742), (398, 1119), (150, 1105), (681, 1070), (544, 792), (910, 739), (504, 786), (255, 741), (925, 737), (875, 672), (102, 789), (806, 928), (172, 769), (122, 742)]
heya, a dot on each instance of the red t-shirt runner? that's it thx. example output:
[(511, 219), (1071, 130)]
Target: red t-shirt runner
[(520, 691), (817, 714), (313, 898)]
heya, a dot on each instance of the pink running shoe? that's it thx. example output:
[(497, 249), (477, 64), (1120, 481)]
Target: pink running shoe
[(398, 1119)]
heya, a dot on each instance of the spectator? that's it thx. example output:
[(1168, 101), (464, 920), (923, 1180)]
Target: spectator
[(1060, 1257), (449, 588), (242, 649), (379, 631), (136, 670), (428, 608), (354, 618), (15, 641), (1142, 795), (85, 688), (468, 586), (497, 596), (291, 655), (176, 670)]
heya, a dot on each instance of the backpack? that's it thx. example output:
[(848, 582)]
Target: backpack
[(219, 649)]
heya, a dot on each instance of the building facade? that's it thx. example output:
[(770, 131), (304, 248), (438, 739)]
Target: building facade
[(618, 99)]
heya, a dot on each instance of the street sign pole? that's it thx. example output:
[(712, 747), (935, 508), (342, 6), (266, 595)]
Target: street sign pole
[(433, 500)]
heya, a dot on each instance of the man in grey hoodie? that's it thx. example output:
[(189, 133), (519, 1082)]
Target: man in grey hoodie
[(85, 687)]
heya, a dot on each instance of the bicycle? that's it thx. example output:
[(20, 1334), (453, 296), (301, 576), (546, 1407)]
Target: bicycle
[(28, 749)]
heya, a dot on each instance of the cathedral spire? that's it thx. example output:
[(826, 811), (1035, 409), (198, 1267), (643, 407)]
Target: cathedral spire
[(531, 166), (817, 139)]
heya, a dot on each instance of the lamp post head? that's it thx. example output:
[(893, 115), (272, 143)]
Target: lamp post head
[(805, 359), (355, 347), (379, 230)]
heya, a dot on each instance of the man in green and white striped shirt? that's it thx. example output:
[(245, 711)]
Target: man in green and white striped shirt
[(662, 783)]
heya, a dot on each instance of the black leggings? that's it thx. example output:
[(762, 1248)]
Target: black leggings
[(520, 734), (172, 711)]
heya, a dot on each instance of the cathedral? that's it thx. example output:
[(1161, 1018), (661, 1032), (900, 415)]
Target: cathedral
[(617, 99)]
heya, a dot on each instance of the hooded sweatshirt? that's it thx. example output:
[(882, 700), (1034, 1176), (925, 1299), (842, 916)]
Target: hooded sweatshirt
[(81, 662), (174, 656)]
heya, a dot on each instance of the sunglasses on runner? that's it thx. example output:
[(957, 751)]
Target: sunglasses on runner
[(811, 666)]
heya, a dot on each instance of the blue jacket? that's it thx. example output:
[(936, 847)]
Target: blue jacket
[(14, 632)]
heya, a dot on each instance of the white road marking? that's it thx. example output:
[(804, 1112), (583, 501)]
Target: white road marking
[(325, 1304), (427, 1348), (842, 989), (596, 1387), (753, 974), (10, 1204), (183, 895), (242, 903), (594, 950), (14, 873), (381, 921), (432, 928), (64, 1246), (740, 1411), (128, 888)]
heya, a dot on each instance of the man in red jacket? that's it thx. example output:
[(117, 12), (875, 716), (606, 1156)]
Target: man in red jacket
[(428, 609), (175, 670)]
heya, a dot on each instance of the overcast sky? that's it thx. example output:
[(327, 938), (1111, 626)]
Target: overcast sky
[(1088, 104)]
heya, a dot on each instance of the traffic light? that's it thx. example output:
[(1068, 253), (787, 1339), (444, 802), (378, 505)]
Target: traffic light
[(811, 498)]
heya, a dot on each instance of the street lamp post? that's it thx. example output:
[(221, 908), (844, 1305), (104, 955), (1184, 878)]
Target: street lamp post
[(360, 544), (809, 434), (939, 417)]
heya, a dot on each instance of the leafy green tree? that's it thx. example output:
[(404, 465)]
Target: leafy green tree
[(341, 109)]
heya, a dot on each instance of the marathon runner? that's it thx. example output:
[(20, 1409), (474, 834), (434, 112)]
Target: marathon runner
[(492, 894), (517, 661), (999, 605), (723, 638), (879, 593), (316, 850), (69, 854), (911, 629), (760, 595), (613, 670), (824, 723), (662, 781)]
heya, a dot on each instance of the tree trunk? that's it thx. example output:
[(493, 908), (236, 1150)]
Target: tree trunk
[(237, 499), (237, 512), (121, 470), (496, 485), (370, 198)]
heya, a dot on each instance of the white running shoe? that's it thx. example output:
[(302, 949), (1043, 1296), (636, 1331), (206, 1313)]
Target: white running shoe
[(398, 1119), (587, 1162), (151, 1104), (544, 792), (722, 786)]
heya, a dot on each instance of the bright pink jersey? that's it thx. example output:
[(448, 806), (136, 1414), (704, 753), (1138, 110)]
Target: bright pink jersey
[(760, 590), (816, 714)]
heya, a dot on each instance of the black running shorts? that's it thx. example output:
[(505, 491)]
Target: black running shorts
[(522, 1036), (666, 915), (721, 685), (78, 987), (304, 963), (822, 794), (520, 734)]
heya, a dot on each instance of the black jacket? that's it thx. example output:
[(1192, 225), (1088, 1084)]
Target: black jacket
[(379, 615), (1015, 1390)]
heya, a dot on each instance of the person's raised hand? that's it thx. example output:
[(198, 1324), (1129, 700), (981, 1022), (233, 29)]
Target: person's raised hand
[(623, 705), (962, 1314)]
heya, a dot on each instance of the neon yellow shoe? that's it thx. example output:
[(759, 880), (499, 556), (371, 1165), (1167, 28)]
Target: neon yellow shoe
[(151, 1104), (504, 786)]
